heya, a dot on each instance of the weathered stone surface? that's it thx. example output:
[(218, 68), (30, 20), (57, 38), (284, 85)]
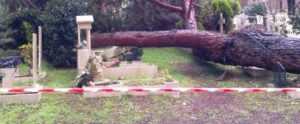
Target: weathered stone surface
[(7, 81), (96, 68), (294, 95), (257, 72), (20, 98), (82, 59), (131, 71), (134, 63)]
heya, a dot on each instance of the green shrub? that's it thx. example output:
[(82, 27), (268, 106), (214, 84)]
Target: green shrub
[(22, 23), (60, 35), (229, 8), (255, 9), (26, 53)]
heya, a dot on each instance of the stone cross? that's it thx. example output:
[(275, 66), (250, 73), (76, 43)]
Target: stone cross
[(221, 22), (34, 57)]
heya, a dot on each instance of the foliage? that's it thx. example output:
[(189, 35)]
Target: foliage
[(23, 69), (131, 54), (107, 15), (166, 75), (28, 31), (143, 15), (229, 8), (60, 31), (26, 53), (16, 5), (295, 21), (255, 9), (22, 23), (4, 32)]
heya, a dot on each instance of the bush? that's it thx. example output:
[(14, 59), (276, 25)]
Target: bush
[(60, 31), (22, 23), (26, 53), (255, 9), (131, 54), (229, 8)]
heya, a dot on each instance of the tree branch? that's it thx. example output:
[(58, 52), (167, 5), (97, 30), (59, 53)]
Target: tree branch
[(166, 6), (32, 4)]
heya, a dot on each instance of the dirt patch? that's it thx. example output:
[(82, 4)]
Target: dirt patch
[(214, 101), (296, 118), (190, 69)]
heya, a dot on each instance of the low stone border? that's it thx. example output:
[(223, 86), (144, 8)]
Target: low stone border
[(294, 95), (7, 99), (17, 98)]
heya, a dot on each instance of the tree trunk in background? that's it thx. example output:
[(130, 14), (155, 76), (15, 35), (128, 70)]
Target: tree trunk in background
[(187, 10), (189, 15), (291, 6), (247, 47)]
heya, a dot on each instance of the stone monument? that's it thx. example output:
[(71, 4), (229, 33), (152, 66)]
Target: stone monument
[(83, 53)]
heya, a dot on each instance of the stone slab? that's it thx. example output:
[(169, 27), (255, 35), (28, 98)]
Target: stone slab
[(257, 72), (20, 98), (131, 71), (29, 78), (8, 71), (108, 52), (134, 63), (294, 95), (7, 81)]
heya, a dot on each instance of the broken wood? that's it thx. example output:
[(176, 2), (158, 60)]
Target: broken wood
[(246, 47)]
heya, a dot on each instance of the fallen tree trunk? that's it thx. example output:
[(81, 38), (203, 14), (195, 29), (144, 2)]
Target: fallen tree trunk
[(247, 47)]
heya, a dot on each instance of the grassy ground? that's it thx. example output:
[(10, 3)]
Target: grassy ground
[(189, 108)]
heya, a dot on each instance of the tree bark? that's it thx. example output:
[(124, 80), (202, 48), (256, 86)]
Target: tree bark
[(189, 15), (247, 47)]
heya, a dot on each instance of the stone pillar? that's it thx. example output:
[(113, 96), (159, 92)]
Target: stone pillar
[(34, 57), (88, 40), (40, 49), (78, 36), (84, 23)]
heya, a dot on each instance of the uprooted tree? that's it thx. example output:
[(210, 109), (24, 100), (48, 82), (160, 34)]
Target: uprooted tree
[(250, 46), (247, 47)]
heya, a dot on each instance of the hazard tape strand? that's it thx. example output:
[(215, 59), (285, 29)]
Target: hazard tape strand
[(142, 90)]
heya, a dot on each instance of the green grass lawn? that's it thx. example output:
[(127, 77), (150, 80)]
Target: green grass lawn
[(73, 108)]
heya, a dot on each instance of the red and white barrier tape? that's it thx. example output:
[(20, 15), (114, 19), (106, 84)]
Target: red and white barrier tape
[(141, 90)]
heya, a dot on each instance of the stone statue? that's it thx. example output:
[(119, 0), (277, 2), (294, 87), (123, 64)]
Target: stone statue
[(96, 67)]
